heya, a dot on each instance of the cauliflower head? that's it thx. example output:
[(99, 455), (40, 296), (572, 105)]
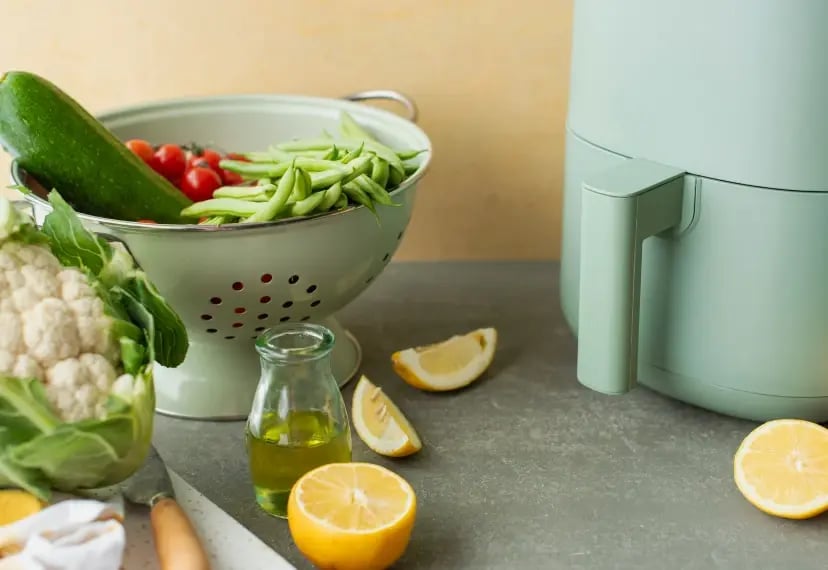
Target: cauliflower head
[(80, 328)]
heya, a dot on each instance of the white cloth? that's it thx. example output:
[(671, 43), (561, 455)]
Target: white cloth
[(69, 535)]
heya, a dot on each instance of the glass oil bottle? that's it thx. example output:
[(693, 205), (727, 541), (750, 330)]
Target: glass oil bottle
[(298, 420)]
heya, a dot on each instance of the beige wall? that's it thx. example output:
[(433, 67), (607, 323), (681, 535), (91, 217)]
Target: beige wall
[(490, 77)]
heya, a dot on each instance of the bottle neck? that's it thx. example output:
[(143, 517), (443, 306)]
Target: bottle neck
[(295, 372)]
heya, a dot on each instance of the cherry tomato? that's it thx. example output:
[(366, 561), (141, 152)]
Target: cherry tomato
[(142, 148), (199, 183), (146, 222), (230, 178), (208, 156), (169, 161)]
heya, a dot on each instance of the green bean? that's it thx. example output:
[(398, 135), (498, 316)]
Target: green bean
[(409, 154), (356, 194), (221, 207), (376, 192), (351, 129), (277, 169), (253, 193), (272, 207), (272, 155), (255, 169), (353, 154), (215, 221), (395, 178), (309, 153), (308, 205), (301, 186), (332, 154), (321, 180), (379, 171), (377, 148), (341, 202), (360, 166), (411, 169), (332, 195)]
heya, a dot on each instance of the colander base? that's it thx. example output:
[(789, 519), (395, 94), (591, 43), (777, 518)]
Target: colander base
[(217, 380)]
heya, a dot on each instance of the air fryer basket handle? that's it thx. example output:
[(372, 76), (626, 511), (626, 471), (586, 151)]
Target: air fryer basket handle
[(620, 207)]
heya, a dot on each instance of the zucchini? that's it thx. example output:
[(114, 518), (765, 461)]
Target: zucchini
[(65, 148)]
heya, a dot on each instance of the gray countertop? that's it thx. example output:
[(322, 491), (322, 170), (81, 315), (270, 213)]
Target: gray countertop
[(526, 469)]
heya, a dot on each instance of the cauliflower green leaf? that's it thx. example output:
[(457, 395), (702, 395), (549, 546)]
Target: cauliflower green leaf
[(76, 246)]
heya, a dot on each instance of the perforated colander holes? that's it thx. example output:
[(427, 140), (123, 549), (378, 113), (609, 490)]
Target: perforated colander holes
[(242, 313)]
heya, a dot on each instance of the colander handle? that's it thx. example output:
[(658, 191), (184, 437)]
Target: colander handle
[(387, 95), (24, 205)]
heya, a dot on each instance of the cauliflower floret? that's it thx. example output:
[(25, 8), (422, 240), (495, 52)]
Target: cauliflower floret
[(7, 360), (8, 261), (11, 332), (94, 325), (74, 285), (41, 281), (38, 257), (79, 387), (27, 367), (54, 328), (50, 331)]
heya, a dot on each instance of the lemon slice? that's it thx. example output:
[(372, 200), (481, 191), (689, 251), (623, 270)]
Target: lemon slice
[(16, 505), (380, 423), (352, 516), (448, 365), (781, 467)]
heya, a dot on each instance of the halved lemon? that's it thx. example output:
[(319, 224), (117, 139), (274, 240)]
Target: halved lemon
[(781, 467), (352, 516), (447, 365), (380, 423), (16, 505)]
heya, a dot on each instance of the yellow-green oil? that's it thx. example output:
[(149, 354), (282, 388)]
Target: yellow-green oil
[(284, 449)]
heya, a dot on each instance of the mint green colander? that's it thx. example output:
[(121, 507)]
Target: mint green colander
[(228, 283)]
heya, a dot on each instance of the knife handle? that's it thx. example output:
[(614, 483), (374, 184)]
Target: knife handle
[(176, 541)]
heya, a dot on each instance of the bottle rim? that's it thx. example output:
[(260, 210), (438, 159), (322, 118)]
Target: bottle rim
[(295, 341)]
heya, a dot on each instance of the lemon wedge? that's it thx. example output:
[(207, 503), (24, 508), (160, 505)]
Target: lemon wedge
[(447, 365), (16, 505), (352, 516), (380, 423), (781, 468)]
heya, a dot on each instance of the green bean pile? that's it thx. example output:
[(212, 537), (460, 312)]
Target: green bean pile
[(307, 177)]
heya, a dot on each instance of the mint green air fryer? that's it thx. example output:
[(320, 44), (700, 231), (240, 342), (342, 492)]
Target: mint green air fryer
[(695, 240)]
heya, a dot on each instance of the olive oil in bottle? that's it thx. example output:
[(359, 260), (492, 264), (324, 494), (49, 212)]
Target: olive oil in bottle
[(298, 421), (287, 448)]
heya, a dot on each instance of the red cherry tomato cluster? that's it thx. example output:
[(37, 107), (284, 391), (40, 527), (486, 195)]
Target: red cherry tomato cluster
[(193, 170)]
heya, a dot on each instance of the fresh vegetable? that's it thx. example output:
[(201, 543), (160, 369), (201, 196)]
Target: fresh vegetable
[(177, 164), (80, 328), (169, 161), (307, 177), (53, 138), (199, 183), (230, 178), (206, 158), (142, 148)]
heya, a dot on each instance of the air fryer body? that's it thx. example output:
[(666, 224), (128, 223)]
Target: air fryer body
[(734, 302)]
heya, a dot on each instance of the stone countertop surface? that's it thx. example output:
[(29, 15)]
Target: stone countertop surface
[(526, 469)]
